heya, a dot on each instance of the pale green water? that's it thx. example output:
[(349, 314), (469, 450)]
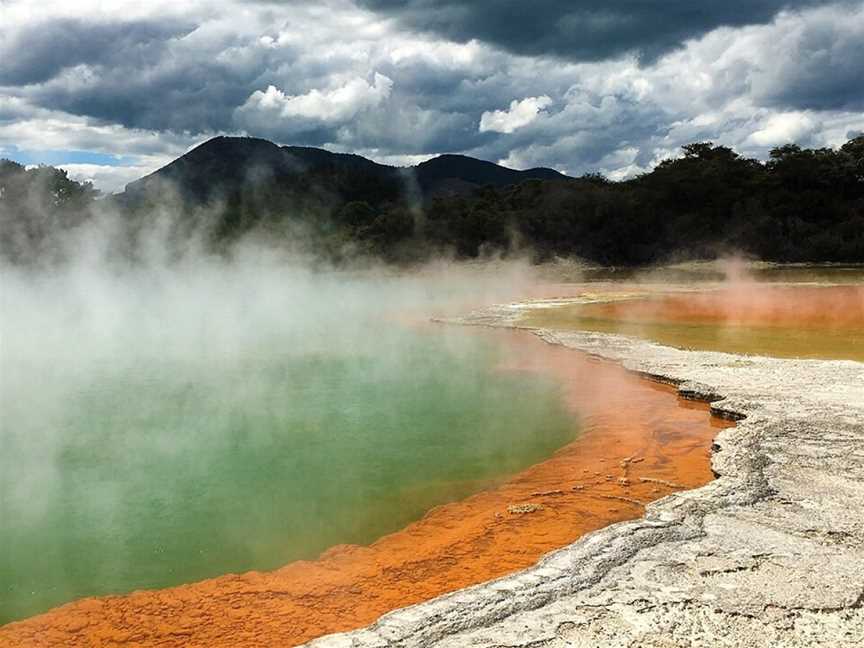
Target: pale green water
[(165, 460)]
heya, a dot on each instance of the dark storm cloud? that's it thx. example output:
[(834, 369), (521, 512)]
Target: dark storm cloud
[(585, 30), (41, 51), (197, 97), (162, 73), (177, 74)]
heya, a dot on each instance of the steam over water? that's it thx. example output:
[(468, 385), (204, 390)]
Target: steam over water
[(167, 423)]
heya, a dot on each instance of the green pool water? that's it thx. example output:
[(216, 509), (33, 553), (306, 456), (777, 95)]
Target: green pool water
[(175, 459)]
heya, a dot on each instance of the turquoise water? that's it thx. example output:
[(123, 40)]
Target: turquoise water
[(180, 460)]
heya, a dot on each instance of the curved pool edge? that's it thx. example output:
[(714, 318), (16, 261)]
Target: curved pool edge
[(452, 546), (771, 552)]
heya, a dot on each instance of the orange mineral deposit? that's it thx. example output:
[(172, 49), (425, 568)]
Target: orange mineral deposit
[(639, 442)]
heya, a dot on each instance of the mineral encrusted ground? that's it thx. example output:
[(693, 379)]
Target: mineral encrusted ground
[(771, 553)]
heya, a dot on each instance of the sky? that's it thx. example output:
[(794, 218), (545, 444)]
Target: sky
[(112, 90)]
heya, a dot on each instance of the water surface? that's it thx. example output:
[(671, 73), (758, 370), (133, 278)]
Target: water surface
[(163, 441), (789, 321), (638, 441)]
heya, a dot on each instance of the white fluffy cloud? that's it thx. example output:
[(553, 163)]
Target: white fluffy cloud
[(39, 129), (521, 113), (784, 128), (335, 105)]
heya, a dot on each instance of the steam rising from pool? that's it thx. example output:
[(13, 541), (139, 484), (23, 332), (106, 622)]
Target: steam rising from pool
[(170, 420), (170, 415)]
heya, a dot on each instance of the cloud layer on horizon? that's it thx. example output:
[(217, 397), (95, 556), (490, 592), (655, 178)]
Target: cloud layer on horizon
[(140, 84)]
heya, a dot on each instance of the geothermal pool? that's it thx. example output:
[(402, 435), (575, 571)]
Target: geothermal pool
[(201, 429), (637, 441), (186, 468)]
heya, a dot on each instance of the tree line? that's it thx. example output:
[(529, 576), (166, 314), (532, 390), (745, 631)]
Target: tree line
[(800, 205)]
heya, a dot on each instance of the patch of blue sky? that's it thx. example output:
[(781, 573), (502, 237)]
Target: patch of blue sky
[(60, 157)]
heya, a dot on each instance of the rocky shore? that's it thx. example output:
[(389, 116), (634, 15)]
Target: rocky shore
[(771, 553)]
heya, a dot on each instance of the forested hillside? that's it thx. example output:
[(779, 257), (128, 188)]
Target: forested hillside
[(800, 205)]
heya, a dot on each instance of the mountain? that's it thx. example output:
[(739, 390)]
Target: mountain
[(457, 173), (225, 167)]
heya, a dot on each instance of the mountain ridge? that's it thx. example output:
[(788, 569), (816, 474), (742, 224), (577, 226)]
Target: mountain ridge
[(236, 161)]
